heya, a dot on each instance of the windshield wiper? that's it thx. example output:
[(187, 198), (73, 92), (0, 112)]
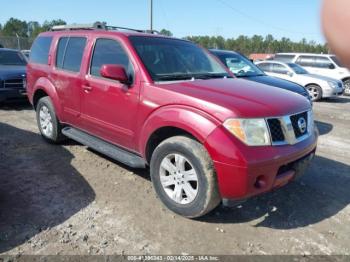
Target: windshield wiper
[(174, 77), (211, 75)]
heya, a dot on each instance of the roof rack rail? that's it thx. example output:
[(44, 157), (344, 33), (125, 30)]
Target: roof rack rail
[(100, 26), (96, 25)]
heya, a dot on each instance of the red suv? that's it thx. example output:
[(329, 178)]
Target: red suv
[(148, 100)]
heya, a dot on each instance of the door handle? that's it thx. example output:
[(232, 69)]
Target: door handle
[(87, 88)]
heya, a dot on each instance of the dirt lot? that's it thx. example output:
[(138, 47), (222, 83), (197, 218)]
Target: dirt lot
[(70, 200)]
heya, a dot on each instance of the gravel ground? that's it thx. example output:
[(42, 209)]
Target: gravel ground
[(70, 200)]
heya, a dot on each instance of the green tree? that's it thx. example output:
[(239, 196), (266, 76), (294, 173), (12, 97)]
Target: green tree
[(166, 32), (14, 27)]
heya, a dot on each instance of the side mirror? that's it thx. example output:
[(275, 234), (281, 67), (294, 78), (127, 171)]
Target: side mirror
[(290, 74), (115, 72), (331, 66)]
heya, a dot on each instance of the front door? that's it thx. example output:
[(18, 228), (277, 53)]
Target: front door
[(109, 108)]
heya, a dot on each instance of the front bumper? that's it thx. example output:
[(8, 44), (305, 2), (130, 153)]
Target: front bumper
[(332, 92), (9, 94), (243, 171)]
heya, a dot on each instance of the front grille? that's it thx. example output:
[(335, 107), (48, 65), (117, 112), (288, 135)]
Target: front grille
[(14, 83), (276, 130), (297, 129)]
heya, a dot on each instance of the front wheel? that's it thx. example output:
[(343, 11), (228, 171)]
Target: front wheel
[(184, 178), (315, 92), (48, 123), (347, 87)]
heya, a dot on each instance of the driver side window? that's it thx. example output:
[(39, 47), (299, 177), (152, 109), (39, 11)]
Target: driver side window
[(108, 51)]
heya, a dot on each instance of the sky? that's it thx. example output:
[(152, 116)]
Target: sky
[(295, 19)]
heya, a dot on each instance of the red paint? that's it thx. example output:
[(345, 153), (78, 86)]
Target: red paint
[(128, 115)]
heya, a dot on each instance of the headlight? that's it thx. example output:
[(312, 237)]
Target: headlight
[(333, 84), (253, 132)]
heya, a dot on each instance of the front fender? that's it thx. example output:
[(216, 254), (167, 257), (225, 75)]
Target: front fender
[(46, 85), (196, 122)]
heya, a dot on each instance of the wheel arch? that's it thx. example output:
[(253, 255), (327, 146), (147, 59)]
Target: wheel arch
[(169, 122), (44, 87)]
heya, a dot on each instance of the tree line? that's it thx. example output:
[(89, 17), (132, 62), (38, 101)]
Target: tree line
[(244, 44)]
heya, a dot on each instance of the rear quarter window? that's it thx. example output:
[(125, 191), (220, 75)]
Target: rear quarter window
[(40, 50)]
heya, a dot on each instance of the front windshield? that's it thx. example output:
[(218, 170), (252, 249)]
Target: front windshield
[(239, 65), (12, 58), (336, 61), (298, 69), (169, 59)]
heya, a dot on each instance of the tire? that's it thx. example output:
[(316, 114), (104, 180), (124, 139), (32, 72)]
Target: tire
[(315, 92), (45, 111), (192, 161), (347, 87)]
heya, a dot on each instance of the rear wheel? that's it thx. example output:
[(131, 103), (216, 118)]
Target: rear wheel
[(347, 87), (48, 123), (315, 92), (184, 178)]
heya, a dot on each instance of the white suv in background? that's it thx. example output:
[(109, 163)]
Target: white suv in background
[(320, 64), (318, 86)]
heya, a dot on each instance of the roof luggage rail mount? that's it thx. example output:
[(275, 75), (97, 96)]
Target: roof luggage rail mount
[(99, 26)]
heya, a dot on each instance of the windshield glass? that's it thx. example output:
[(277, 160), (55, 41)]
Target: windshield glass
[(239, 65), (172, 59), (336, 61), (12, 58), (297, 69)]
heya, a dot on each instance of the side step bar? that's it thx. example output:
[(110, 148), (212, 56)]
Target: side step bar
[(105, 148)]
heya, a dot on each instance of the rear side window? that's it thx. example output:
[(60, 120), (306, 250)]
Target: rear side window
[(265, 67), (308, 61), (40, 50), (279, 69), (284, 58), (70, 52), (108, 51)]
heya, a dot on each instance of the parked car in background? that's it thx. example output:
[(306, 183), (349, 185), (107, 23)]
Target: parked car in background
[(12, 74), (320, 64), (242, 67), (146, 99), (318, 86), (26, 53)]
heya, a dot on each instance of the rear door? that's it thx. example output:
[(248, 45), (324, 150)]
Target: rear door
[(67, 75), (109, 108)]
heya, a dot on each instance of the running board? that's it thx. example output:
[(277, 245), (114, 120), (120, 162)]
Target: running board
[(105, 148)]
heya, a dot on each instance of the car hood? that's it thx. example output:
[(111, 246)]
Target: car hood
[(7, 72), (319, 77), (224, 98), (277, 82)]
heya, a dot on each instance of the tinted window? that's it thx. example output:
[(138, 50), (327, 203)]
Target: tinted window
[(284, 58), (61, 49), (279, 69), (336, 61), (239, 65), (265, 67), (109, 51), (12, 58), (40, 50), (306, 61), (70, 53), (297, 69)]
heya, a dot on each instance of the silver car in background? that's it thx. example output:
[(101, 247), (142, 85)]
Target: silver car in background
[(318, 86)]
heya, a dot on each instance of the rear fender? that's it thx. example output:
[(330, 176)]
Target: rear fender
[(46, 85)]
